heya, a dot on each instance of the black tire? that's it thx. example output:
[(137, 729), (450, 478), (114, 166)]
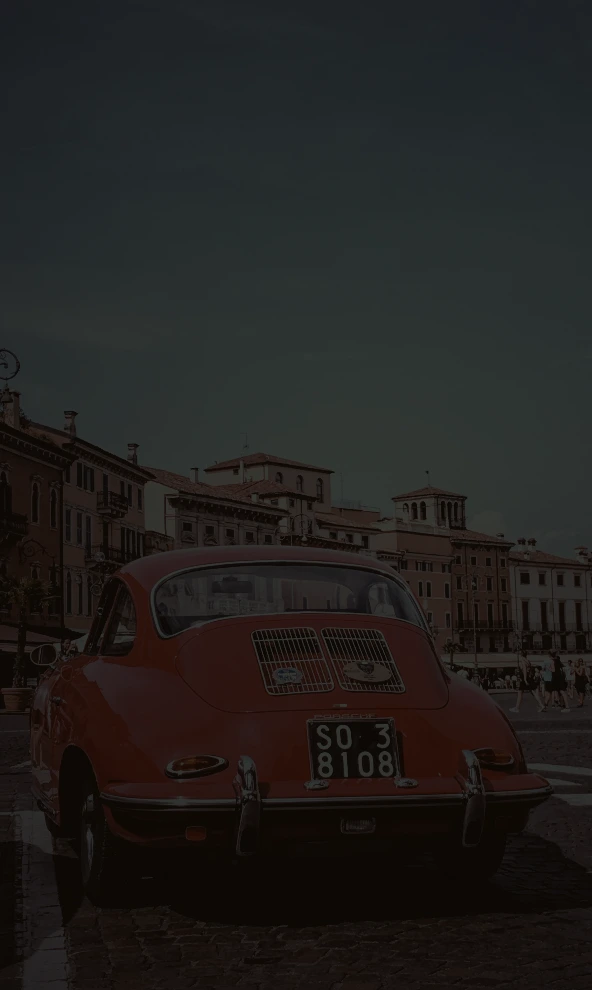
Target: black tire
[(101, 854), (475, 865)]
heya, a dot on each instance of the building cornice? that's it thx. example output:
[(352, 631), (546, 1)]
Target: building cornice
[(36, 448)]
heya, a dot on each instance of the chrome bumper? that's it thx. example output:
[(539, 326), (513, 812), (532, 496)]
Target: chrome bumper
[(248, 805)]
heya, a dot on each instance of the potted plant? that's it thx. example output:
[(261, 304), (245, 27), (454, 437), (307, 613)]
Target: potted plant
[(27, 596)]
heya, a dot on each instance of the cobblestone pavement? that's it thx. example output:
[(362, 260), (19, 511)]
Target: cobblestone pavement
[(374, 929)]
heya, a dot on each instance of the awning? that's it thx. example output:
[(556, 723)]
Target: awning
[(9, 635)]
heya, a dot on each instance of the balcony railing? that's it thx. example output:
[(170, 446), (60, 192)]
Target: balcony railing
[(13, 523), (114, 556), (112, 504), (559, 628), (469, 624)]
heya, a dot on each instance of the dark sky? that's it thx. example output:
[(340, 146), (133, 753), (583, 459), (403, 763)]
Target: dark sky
[(357, 231)]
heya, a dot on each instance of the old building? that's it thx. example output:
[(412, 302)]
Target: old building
[(552, 599), (482, 594), (184, 511), (307, 480), (103, 516), (31, 498)]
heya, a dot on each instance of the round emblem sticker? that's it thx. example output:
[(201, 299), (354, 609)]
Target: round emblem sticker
[(378, 673), (287, 675)]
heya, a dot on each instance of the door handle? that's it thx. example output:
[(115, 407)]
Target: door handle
[(56, 700)]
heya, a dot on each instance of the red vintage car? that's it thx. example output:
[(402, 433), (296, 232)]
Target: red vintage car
[(265, 700)]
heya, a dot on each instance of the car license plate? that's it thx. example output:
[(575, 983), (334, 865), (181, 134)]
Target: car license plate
[(352, 748)]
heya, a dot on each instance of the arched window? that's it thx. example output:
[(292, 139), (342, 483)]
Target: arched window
[(299, 483), (406, 508), (279, 477), (414, 510), (443, 510), (35, 573), (449, 507), (422, 510), (456, 511), (53, 509), (320, 489), (69, 593), (35, 503)]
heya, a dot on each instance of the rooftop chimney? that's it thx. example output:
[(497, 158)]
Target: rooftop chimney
[(70, 422), (132, 452), (194, 474), (12, 408)]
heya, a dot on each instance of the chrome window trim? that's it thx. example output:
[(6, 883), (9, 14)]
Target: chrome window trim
[(420, 624)]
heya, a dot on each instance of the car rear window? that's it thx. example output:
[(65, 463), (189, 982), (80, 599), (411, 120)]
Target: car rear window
[(201, 595)]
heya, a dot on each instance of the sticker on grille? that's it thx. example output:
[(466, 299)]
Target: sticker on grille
[(363, 661), (291, 661)]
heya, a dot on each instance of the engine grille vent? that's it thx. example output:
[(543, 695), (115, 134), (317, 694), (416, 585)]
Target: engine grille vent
[(364, 653), (291, 661)]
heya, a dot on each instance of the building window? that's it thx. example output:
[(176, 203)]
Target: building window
[(542, 578), (67, 474), (68, 525), (489, 584), (406, 508), (446, 590), (505, 616), (488, 561), (53, 509), (459, 615), (35, 503), (420, 586), (105, 485), (525, 616), (458, 559), (404, 565), (89, 596), (187, 527), (577, 581), (428, 589), (349, 537), (365, 542), (332, 536), (560, 580), (235, 470), (88, 533), (79, 475), (422, 510), (504, 585), (447, 620), (309, 505), (279, 477), (320, 489), (291, 503), (88, 479), (274, 501), (69, 593), (269, 539), (249, 536), (80, 606), (443, 510), (456, 511), (578, 616), (299, 483), (414, 510), (79, 529), (490, 614), (122, 488), (129, 495), (502, 562), (230, 534), (473, 561), (524, 577), (140, 499)]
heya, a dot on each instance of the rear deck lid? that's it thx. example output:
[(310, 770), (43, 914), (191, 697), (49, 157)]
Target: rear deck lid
[(299, 661)]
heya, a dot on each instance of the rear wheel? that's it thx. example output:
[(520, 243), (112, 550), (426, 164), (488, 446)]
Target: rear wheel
[(100, 852)]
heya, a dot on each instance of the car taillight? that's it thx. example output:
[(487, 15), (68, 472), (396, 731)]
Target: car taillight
[(495, 759), (195, 766)]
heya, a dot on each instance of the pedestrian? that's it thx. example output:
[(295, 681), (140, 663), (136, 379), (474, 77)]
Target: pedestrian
[(559, 682), (68, 651), (547, 677), (526, 682), (581, 680), (463, 672)]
